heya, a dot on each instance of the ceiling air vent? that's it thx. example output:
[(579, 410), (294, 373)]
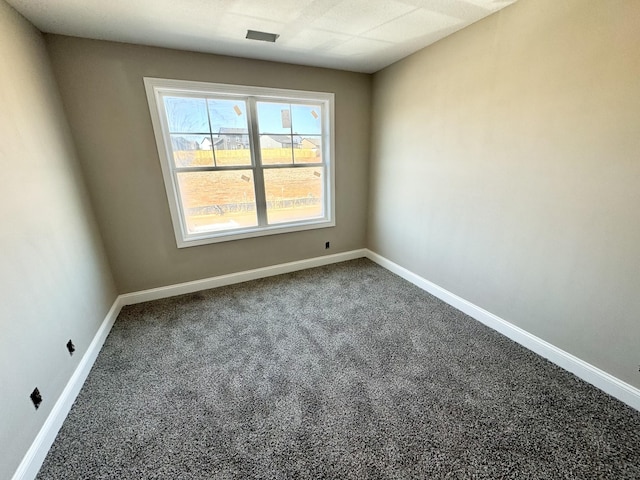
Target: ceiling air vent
[(263, 36)]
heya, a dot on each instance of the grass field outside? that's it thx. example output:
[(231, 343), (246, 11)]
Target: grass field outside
[(225, 199)]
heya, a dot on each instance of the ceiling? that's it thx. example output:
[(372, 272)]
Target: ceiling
[(356, 35)]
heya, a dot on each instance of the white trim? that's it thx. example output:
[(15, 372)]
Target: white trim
[(157, 88), (252, 232), (239, 277), (32, 461), (598, 378), (205, 88)]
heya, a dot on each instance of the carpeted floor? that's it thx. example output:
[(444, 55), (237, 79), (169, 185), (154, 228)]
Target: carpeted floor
[(341, 372)]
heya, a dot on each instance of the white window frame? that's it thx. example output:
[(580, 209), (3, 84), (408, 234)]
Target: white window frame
[(156, 88)]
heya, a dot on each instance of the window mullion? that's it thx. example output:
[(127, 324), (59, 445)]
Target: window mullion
[(256, 153), (209, 198)]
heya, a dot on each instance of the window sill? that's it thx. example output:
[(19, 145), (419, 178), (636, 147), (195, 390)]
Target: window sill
[(204, 239)]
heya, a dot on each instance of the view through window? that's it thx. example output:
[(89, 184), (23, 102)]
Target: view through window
[(242, 161)]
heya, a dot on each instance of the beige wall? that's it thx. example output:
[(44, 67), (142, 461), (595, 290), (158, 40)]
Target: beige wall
[(104, 97), (506, 169), (55, 284)]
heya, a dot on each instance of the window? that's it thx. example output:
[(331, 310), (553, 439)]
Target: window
[(243, 161)]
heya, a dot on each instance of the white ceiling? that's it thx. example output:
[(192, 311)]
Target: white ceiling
[(357, 35)]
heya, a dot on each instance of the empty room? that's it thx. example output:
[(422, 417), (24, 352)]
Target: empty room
[(341, 239)]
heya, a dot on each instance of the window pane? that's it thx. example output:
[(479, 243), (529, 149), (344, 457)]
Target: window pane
[(216, 142), (307, 119), (274, 117), (191, 150), (228, 116), (186, 115), (214, 201), (309, 151), (276, 149), (232, 150), (293, 193)]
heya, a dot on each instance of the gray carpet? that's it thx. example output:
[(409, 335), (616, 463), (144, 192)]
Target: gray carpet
[(344, 372)]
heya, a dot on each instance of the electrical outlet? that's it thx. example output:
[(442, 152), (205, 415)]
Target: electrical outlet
[(36, 398), (327, 245), (71, 347)]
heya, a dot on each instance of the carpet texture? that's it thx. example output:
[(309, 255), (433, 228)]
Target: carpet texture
[(342, 372)]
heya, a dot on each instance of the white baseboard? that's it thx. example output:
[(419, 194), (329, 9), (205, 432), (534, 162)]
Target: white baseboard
[(587, 372), (32, 461), (239, 277)]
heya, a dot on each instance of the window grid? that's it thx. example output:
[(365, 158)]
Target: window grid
[(321, 168)]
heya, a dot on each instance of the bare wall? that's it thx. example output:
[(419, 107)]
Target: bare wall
[(103, 93), (55, 283), (505, 169)]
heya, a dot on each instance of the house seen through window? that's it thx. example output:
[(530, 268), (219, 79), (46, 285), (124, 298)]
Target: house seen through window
[(242, 161)]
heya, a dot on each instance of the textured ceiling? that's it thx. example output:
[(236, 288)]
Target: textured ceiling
[(357, 35)]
